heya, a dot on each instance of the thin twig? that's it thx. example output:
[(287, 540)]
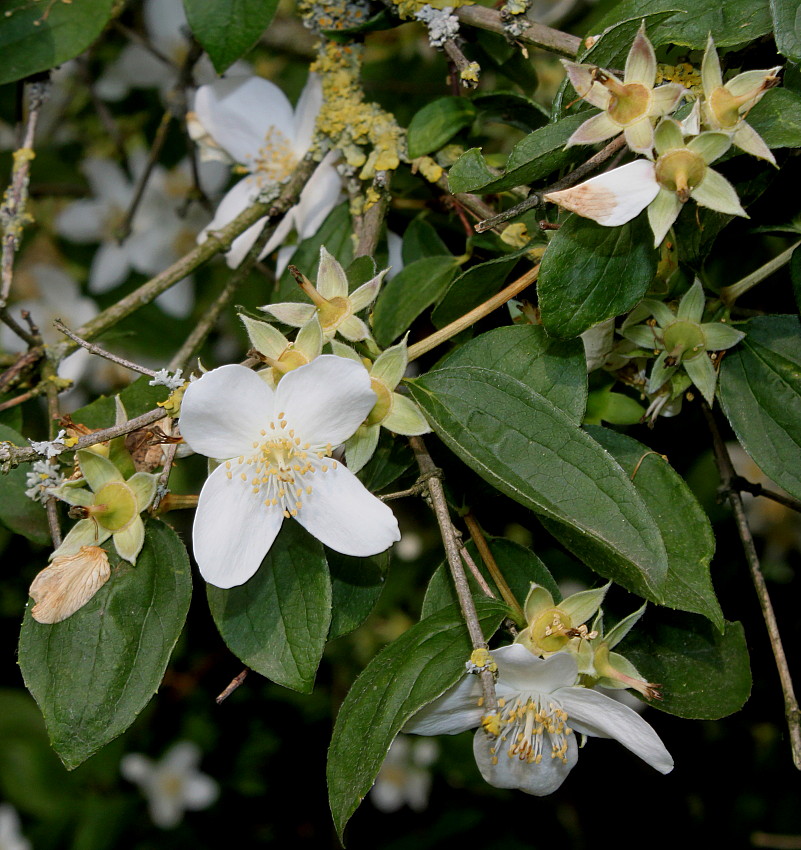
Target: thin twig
[(440, 336), (539, 35), (232, 686), (743, 485), (101, 352), (729, 294), (727, 475), (491, 564), (440, 505), (475, 571), (368, 226), (460, 62)]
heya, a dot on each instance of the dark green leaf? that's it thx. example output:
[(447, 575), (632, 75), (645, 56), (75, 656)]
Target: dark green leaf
[(795, 276), (510, 108), (137, 398), (416, 287), (686, 531), (787, 28), (518, 565), (37, 36), (590, 273), (530, 450), (532, 158), (421, 240), (18, 513), (554, 368), (615, 408), (702, 673), (777, 118), (436, 124), (227, 29), (760, 389), (94, 672), (391, 459), (360, 271), (356, 584), (277, 622), (405, 676), (612, 48)]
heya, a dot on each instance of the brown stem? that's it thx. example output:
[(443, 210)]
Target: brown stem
[(475, 572), (477, 536), (101, 352), (368, 227), (539, 35), (232, 686), (727, 475)]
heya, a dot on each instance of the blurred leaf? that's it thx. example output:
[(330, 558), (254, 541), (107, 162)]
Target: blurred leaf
[(518, 565), (421, 240), (406, 675), (437, 122), (760, 390), (787, 28), (510, 108), (532, 158), (227, 29), (416, 287), (37, 36), (685, 528), (554, 368), (612, 48), (702, 673), (138, 397), (590, 273), (94, 672), (356, 584), (795, 276), (18, 513), (603, 405), (777, 118), (277, 622), (530, 450)]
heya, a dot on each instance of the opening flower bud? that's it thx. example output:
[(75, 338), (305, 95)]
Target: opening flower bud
[(684, 340)]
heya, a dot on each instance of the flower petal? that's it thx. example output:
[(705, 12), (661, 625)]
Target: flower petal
[(110, 266), (343, 515), (592, 713), (503, 771), (520, 671), (305, 117), (716, 193), (612, 198), (68, 584), (326, 400), (747, 139), (666, 98), (233, 529), (361, 446), (405, 418), (332, 282), (641, 61), (454, 711), (662, 212), (224, 411), (130, 540), (292, 313), (199, 791), (640, 136), (586, 86), (82, 221), (599, 128), (711, 76)]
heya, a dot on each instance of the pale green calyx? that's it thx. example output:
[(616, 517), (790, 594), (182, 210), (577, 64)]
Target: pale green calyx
[(107, 505), (279, 353)]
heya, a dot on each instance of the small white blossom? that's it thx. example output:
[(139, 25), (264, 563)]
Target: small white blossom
[(442, 24), (11, 838), (49, 448), (41, 478), (405, 778), (163, 378)]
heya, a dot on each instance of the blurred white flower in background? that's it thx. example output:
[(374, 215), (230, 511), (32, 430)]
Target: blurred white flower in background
[(172, 785), (405, 778), (11, 838)]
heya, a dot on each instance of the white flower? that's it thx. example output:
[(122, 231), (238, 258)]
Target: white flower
[(529, 744), (173, 785), (404, 778), (11, 838), (276, 449), (68, 584), (252, 120)]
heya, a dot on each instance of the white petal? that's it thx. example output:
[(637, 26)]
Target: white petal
[(599, 128), (181, 757), (235, 201), (331, 279), (136, 768), (592, 713), (108, 181), (233, 529), (179, 299), (224, 411), (319, 196), (326, 400), (292, 313), (200, 791), (612, 198), (306, 110), (641, 61), (454, 711), (342, 514), (110, 266), (68, 584), (523, 672), (238, 112), (82, 221), (282, 230), (537, 779)]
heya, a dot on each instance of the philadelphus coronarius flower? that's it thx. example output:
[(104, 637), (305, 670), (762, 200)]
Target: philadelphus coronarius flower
[(253, 121), (631, 106), (332, 304), (529, 743), (275, 449), (280, 354)]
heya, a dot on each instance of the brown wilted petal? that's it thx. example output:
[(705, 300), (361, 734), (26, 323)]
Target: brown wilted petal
[(68, 584)]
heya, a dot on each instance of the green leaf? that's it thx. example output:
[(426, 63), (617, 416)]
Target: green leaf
[(554, 368), (416, 287), (36, 36), (227, 29), (684, 525), (612, 48), (518, 565), (277, 622), (787, 28), (702, 674), (421, 240), (590, 273), (18, 513), (530, 450), (729, 23), (511, 108), (603, 405), (777, 118), (356, 584), (138, 397), (436, 123), (473, 287), (94, 672), (532, 158), (760, 389), (391, 459), (405, 676), (795, 276)]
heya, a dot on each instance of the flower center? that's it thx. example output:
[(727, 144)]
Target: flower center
[(684, 340), (275, 160), (725, 107), (382, 406), (551, 630), (680, 171), (520, 728), (282, 467), (118, 506), (630, 104)]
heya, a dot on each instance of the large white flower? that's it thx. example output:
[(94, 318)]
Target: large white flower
[(172, 785), (529, 744), (252, 120), (276, 449)]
